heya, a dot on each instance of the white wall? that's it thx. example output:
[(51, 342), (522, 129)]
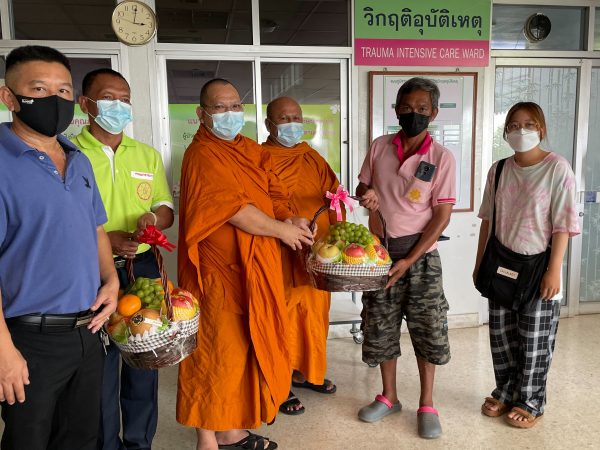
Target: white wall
[(467, 308)]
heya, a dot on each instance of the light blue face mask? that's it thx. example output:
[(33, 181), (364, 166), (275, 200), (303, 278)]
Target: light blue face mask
[(289, 134), (113, 115), (227, 125)]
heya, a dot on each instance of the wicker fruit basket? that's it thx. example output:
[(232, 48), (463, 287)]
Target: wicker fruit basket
[(174, 340), (348, 258)]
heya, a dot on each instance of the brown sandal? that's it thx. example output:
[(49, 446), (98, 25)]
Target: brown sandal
[(530, 419), (501, 408)]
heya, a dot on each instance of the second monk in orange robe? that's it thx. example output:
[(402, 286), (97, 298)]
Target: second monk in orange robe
[(232, 209), (307, 177)]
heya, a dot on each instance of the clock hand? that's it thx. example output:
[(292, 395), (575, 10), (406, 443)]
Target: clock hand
[(135, 23), (135, 14)]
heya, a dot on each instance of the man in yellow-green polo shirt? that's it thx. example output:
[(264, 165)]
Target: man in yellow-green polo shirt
[(133, 186)]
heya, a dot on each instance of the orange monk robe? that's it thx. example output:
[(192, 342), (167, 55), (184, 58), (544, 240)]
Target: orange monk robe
[(307, 177), (240, 372)]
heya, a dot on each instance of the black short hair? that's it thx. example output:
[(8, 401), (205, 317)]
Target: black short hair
[(29, 53), (88, 80), (420, 84), (204, 90)]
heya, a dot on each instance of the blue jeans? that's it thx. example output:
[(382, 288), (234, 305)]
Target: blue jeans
[(137, 398)]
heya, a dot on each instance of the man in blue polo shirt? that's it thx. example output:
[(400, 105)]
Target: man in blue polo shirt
[(57, 278)]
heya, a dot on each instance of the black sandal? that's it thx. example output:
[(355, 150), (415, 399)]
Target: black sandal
[(251, 442), (320, 388), (292, 400)]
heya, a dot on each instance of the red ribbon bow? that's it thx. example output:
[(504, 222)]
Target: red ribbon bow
[(341, 196), (153, 236)]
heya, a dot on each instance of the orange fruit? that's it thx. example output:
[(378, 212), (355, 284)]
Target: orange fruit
[(170, 285), (128, 305)]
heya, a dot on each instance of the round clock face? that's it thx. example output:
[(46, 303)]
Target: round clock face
[(133, 22)]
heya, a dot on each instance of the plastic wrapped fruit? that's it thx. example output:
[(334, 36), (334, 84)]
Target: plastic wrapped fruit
[(118, 330), (329, 253), (349, 233), (149, 290), (354, 254)]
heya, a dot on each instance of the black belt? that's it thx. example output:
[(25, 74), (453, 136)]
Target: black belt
[(121, 262), (54, 320)]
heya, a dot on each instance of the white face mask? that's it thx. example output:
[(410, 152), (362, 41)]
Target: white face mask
[(523, 140)]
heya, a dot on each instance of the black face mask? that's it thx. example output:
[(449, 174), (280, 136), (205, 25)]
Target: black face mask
[(413, 123), (46, 115)]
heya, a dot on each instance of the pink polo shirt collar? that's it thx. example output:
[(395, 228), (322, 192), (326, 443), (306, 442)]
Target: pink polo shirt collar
[(423, 149)]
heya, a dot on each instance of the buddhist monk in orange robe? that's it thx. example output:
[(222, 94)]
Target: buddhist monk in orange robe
[(307, 177), (233, 212)]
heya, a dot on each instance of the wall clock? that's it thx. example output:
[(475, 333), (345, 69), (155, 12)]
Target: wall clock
[(134, 22)]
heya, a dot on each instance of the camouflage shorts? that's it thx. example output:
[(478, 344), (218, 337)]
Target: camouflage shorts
[(418, 297)]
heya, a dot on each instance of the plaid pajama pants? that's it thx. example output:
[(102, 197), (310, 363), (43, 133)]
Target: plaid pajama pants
[(522, 346)]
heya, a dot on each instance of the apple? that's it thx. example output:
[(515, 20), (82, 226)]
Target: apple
[(182, 292), (328, 254), (354, 254), (183, 307), (382, 254), (340, 244)]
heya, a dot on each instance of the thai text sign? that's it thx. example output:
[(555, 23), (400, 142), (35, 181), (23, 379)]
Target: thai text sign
[(422, 33)]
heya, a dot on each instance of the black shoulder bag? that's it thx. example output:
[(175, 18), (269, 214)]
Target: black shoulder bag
[(507, 278)]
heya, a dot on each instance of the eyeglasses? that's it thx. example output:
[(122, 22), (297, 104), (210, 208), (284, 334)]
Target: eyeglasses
[(237, 107), (529, 126), (403, 109)]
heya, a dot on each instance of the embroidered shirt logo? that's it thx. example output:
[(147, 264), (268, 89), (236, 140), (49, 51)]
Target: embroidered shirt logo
[(144, 190), (27, 101), (414, 195), (142, 175)]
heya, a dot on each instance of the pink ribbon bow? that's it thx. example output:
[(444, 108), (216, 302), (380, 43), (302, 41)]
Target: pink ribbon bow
[(153, 236), (341, 195)]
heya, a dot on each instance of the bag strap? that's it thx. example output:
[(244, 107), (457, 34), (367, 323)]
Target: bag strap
[(499, 168)]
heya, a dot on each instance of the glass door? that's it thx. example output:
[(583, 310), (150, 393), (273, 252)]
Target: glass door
[(589, 290), (555, 86)]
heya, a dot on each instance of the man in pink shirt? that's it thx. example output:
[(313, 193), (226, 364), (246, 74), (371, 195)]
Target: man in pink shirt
[(411, 180)]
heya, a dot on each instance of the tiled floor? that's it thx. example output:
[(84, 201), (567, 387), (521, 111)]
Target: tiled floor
[(572, 417)]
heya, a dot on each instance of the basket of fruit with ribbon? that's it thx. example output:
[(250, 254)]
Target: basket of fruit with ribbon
[(349, 257), (155, 325)]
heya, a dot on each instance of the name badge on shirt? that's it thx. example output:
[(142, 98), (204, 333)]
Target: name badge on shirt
[(142, 175)]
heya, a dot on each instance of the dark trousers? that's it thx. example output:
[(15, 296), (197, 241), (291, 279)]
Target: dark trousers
[(135, 397), (62, 402), (522, 345)]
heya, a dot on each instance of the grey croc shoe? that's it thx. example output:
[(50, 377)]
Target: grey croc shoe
[(429, 422), (378, 409)]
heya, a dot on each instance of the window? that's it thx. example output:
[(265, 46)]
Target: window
[(205, 21), (184, 81), (84, 20), (567, 32), (317, 88), (304, 22)]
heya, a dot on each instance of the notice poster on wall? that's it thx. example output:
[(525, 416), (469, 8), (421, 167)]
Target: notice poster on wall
[(454, 126), (418, 33)]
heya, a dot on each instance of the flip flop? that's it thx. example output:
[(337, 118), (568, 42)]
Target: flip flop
[(292, 400), (378, 409), (501, 408), (530, 419), (428, 421), (321, 388), (250, 442)]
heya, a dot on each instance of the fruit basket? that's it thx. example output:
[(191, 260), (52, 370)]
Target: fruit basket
[(349, 257), (154, 326)]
